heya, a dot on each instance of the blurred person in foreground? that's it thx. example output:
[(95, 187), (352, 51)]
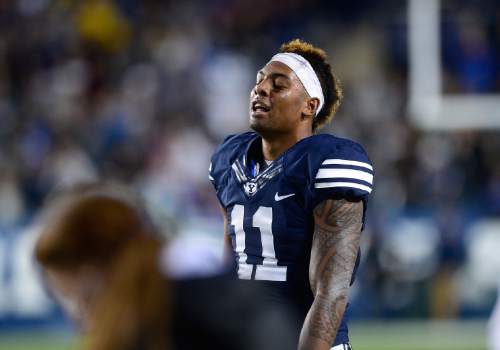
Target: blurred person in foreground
[(293, 200), (128, 289), (494, 326)]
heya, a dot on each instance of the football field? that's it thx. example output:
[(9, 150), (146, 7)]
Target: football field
[(373, 335), (419, 335)]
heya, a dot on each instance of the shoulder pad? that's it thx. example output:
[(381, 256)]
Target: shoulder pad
[(231, 148), (336, 167)]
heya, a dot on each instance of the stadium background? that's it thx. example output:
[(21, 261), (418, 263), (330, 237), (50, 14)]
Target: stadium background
[(142, 91)]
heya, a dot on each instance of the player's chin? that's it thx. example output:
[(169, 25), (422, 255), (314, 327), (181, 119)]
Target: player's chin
[(259, 115), (259, 122)]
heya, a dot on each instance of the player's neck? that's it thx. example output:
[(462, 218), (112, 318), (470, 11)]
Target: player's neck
[(273, 147)]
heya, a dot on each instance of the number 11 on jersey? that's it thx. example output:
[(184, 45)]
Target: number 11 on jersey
[(263, 221)]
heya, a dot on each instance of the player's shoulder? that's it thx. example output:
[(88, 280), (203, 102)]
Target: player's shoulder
[(233, 145), (329, 148), (341, 169), (336, 168)]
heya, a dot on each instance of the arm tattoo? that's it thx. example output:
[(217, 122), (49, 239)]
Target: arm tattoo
[(333, 256)]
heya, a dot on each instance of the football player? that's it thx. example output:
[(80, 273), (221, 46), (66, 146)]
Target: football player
[(293, 200)]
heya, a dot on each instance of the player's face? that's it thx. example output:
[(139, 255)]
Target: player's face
[(277, 100)]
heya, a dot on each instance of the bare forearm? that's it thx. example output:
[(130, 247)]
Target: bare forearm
[(322, 323), (333, 256)]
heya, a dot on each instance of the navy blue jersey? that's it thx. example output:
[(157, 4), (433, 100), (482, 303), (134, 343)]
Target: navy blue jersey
[(270, 213)]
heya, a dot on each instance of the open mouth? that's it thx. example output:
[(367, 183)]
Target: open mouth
[(258, 106)]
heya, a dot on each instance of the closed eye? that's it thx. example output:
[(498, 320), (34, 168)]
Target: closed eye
[(279, 84), (279, 80)]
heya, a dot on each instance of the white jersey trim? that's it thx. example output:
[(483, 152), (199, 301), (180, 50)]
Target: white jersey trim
[(326, 173), (340, 347), (342, 184), (347, 162)]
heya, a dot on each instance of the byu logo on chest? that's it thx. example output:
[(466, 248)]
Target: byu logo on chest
[(250, 188), (251, 185)]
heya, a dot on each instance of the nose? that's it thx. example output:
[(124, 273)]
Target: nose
[(262, 88)]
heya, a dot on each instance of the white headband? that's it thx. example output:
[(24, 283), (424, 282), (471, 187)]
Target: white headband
[(305, 72)]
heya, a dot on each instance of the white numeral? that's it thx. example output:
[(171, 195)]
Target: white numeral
[(237, 215), (263, 220)]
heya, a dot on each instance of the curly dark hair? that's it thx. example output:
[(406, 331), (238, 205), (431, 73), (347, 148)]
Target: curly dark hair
[(329, 82)]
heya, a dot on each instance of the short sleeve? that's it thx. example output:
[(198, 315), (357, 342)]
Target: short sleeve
[(221, 160), (216, 173), (344, 172), (211, 176), (218, 162)]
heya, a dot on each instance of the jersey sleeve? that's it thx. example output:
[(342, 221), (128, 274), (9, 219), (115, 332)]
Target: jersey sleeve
[(215, 169), (211, 176), (344, 172), (220, 163)]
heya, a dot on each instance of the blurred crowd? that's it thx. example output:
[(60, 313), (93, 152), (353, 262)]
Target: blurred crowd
[(142, 92)]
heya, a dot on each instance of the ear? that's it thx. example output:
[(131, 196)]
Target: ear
[(310, 107)]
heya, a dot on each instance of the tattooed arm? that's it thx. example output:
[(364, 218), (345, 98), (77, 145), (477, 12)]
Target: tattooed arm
[(333, 256)]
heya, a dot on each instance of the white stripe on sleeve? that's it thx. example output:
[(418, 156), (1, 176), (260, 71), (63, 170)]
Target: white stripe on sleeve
[(342, 184), (347, 162), (330, 173), (209, 171)]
